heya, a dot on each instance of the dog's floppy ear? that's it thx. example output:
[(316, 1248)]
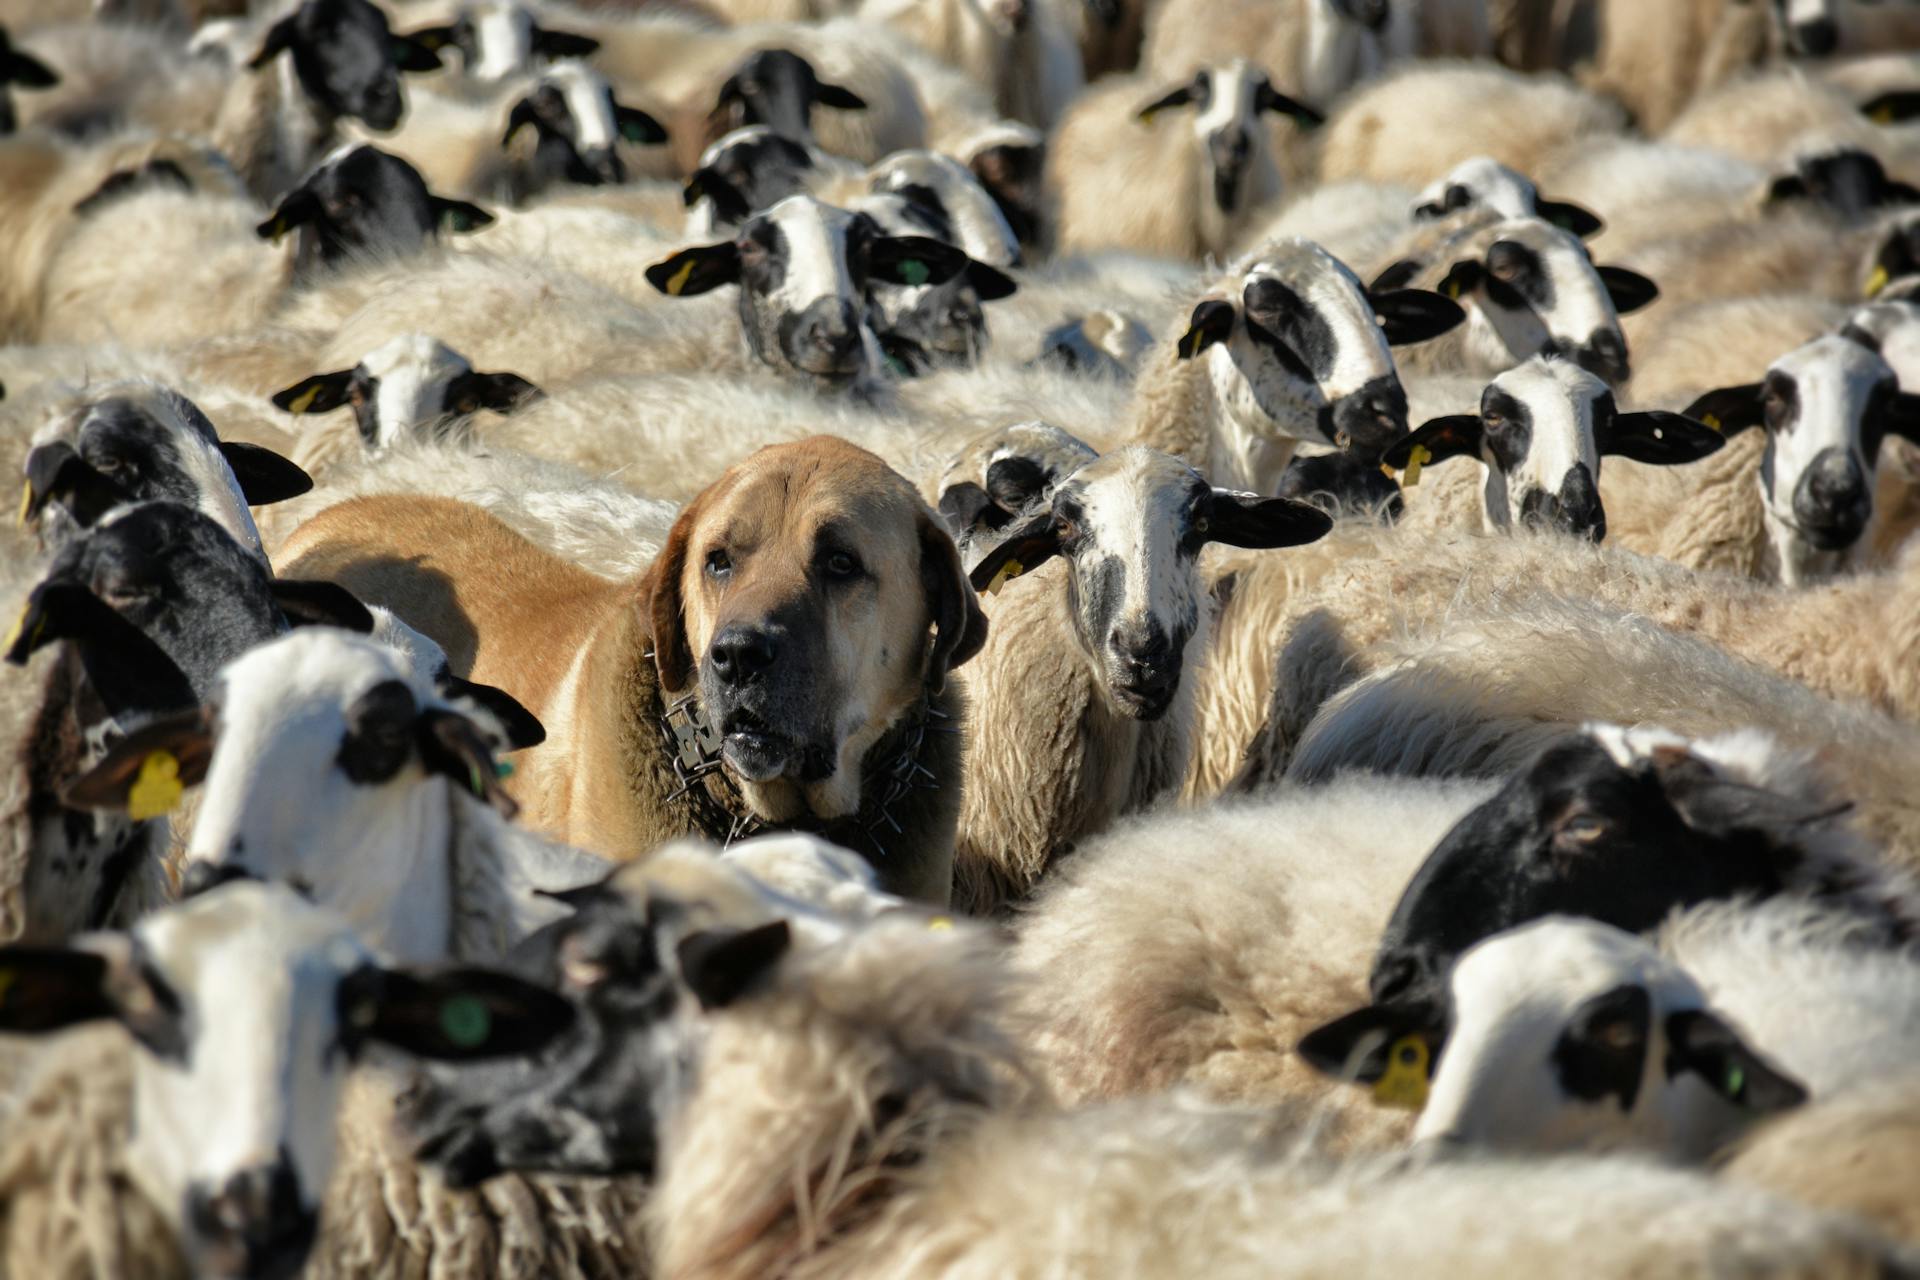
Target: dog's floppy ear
[(663, 608), (959, 624)]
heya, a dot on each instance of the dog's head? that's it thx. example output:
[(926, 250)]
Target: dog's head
[(809, 595)]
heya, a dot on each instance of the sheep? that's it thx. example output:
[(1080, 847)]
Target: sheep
[(1528, 287), (1484, 183), (22, 69), (341, 61), (1785, 113), (227, 1153), (497, 39), (1013, 47), (946, 187), (122, 442), (1539, 436), (1415, 123), (1119, 625), (1651, 190), (399, 840), (747, 170), (1823, 408), (412, 388), (577, 124), (1112, 145), (1315, 49)]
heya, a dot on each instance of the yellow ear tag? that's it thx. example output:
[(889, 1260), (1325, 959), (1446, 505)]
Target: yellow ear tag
[(19, 625), (1712, 421), (1452, 289), (1876, 282), (1008, 572), (940, 924), (1387, 471), (678, 280), (1404, 1083), (1418, 457), (1882, 115), (305, 398), (279, 231), (26, 503), (1146, 117), (157, 789)]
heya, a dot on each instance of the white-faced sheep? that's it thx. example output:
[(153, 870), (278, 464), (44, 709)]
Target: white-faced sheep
[(1484, 183), (497, 39), (1314, 49), (227, 1153), (1121, 141), (1114, 633)]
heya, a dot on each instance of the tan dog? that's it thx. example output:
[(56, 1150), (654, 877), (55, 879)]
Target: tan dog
[(788, 649)]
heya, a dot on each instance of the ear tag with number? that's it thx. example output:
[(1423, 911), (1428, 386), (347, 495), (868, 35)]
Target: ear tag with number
[(305, 398), (26, 503), (1008, 572), (1404, 1084), (678, 280), (915, 273), (466, 1021), (1451, 288), (1419, 456), (1712, 421), (278, 231), (157, 790)]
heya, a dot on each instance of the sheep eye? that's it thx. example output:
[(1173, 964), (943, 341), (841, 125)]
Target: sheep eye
[(1619, 1034), (1202, 525), (1493, 421), (108, 463), (719, 563), (1581, 829), (467, 405)]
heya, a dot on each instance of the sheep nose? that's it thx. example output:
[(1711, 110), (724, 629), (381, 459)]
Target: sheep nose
[(1832, 503), (827, 337), (1815, 38), (604, 166), (739, 653), (255, 1219), (1605, 356)]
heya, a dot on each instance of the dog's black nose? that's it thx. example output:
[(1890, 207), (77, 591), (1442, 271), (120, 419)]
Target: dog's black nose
[(739, 653)]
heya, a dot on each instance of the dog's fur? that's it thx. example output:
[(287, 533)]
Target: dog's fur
[(599, 661)]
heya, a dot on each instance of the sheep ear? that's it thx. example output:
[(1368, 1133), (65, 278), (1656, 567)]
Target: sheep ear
[(55, 472), (1356, 1046), (1570, 217), (838, 97), (1457, 435), (1174, 98), (1267, 98), (457, 216), (1701, 1043), (1659, 439), (434, 38), (296, 209), (1721, 807), (59, 611), (322, 393), (522, 728), (730, 205), (1730, 410), (411, 55), (279, 39), (1016, 481), (697, 270), (1415, 315), (1212, 322), (519, 118), (265, 477), (1397, 276), (1897, 107), (637, 127), (562, 44), (718, 965), (1629, 290), (915, 260), (320, 604), (990, 283), (50, 988), (26, 71), (451, 1014), (1903, 416), (967, 508), (959, 625), (145, 772), (1461, 279), (1248, 520), (1024, 548), (501, 392), (453, 747)]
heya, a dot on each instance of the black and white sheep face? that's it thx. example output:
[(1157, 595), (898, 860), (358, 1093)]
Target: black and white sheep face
[(748, 170), (1896, 260), (414, 387), (140, 442), (1621, 827), (804, 270), (930, 324), (1485, 183), (1561, 1035), (1238, 172), (1531, 289), (950, 192), (362, 202), (1131, 526), (779, 88), (1300, 355), (1541, 432), (578, 128), (316, 751), (499, 38), (250, 1007), (1849, 183), (22, 70), (347, 60), (1825, 408)]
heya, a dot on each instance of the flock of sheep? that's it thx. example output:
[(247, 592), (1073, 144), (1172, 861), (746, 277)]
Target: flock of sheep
[(982, 638)]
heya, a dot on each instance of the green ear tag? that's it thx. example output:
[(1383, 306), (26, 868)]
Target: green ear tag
[(503, 770), (466, 1021), (476, 781), (914, 272), (1736, 1082)]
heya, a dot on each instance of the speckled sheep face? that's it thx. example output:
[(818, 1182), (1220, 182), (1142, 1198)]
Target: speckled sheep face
[(930, 325), (746, 171), (1564, 1035), (950, 193)]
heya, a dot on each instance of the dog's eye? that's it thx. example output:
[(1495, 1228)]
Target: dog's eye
[(840, 564), (719, 564)]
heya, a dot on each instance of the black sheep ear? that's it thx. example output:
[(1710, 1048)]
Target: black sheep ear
[(411, 55), (265, 477), (915, 260), (1629, 290), (1570, 217), (1026, 547), (1415, 315), (522, 116), (1702, 1044), (279, 39), (563, 44), (1391, 1048), (320, 604), (730, 207), (1730, 410), (26, 71), (522, 727), (1457, 435), (1174, 98), (1268, 98), (1659, 439), (1903, 416), (145, 773), (503, 393), (56, 473), (296, 209), (839, 98), (452, 1014), (46, 989), (457, 216), (967, 508), (1461, 279), (696, 270), (434, 38), (1397, 276), (453, 746), (1786, 187), (990, 283), (1212, 322), (1237, 519), (719, 965), (322, 393), (637, 127)]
